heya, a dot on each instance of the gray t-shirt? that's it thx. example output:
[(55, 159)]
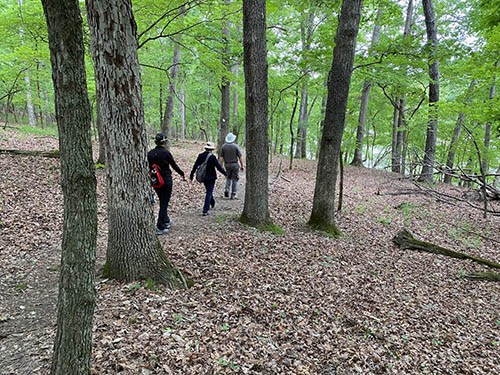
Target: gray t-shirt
[(230, 153)]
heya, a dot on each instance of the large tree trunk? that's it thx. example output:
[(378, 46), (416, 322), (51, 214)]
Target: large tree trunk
[(76, 301), (256, 209), (450, 161), (134, 251), (339, 80), (365, 95), (427, 172)]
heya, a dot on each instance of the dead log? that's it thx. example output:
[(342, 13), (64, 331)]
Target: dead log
[(45, 154), (488, 276), (405, 240)]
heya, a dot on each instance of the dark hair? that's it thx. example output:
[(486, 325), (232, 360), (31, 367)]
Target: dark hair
[(160, 139)]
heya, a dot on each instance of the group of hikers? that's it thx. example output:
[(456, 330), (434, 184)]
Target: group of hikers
[(230, 154)]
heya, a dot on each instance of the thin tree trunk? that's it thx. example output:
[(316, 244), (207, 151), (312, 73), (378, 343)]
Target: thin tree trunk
[(365, 95), (395, 153), (169, 105), (256, 209), (76, 300), (427, 172), (182, 99), (292, 137), (225, 89), (339, 80), (402, 137), (450, 161), (306, 32), (235, 128), (487, 130)]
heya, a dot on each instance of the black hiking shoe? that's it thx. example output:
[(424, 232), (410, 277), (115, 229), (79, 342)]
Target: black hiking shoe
[(226, 194)]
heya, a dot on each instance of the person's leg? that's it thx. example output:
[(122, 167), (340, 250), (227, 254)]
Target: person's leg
[(164, 194), (228, 186), (209, 190), (234, 179), (234, 189), (168, 195)]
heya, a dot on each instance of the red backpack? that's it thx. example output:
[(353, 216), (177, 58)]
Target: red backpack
[(156, 178)]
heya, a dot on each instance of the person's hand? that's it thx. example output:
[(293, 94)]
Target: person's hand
[(242, 168)]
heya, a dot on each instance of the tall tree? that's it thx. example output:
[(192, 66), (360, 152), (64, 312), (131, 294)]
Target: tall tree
[(306, 34), (172, 82), (487, 130), (399, 130), (450, 160), (134, 252), (29, 102), (365, 95), (76, 301), (427, 172), (225, 86), (339, 80), (256, 209)]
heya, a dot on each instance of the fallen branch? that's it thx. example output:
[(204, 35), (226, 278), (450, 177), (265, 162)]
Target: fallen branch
[(45, 154), (488, 276), (405, 240)]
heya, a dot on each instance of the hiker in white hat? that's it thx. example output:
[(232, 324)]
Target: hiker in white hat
[(207, 163), (230, 153)]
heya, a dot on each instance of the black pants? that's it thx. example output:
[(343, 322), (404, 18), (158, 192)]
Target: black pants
[(164, 193)]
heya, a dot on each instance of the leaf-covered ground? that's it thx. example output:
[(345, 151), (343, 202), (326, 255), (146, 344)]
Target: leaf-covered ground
[(263, 303)]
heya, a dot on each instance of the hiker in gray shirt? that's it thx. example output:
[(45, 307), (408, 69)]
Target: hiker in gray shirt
[(230, 153)]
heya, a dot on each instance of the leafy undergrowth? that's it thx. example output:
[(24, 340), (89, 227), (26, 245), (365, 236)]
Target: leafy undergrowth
[(263, 303)]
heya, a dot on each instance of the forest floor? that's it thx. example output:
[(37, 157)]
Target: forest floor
[(263, 303)]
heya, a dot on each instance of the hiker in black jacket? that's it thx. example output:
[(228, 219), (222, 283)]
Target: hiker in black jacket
[(210, 176), (164, 159)]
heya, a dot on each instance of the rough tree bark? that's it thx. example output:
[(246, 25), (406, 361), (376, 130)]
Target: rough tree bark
[(134, 251), (365, 96), (339, 80), (256, 209), (76, 300), (427, 172)]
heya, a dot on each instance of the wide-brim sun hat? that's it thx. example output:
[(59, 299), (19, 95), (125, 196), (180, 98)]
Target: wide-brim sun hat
[(230, 137), (209, 146)]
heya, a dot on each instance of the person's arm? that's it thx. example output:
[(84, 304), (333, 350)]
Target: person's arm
[(195, 167), (242, 167), (174, 165), (219, 167)]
